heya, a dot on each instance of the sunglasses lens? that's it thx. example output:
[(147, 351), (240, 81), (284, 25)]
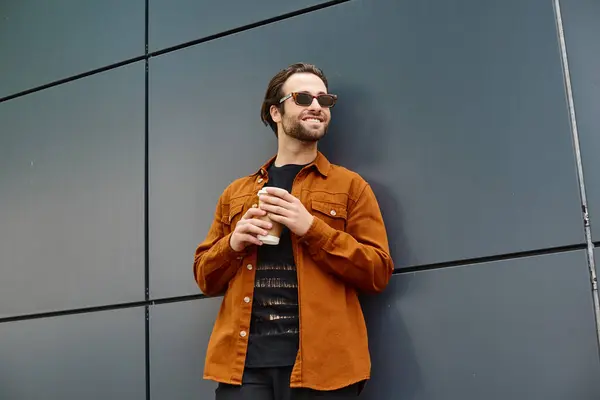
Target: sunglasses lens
[(304, 99), (326, 100)]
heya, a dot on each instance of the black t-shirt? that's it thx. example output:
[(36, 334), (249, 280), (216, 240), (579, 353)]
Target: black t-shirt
[(273, 340)]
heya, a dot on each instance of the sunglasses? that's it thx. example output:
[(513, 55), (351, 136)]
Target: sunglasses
[(306, 99)]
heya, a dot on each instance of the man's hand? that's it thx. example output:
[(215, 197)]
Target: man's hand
[(287, 210), (248, 228)]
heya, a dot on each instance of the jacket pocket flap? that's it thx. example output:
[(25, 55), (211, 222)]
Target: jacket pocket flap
[(233, 210), (333, 210)]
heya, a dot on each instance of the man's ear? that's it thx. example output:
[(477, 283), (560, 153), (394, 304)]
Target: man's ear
[(275, 114)]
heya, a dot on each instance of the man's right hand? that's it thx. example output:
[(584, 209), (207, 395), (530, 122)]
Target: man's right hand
[(248, 228)]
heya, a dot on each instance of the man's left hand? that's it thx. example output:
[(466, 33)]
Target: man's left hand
[(286, 209)]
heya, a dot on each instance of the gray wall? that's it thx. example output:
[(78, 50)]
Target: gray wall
[(122, 122)]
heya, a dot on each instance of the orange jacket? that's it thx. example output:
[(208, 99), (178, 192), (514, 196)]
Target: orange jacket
[(344, 251)]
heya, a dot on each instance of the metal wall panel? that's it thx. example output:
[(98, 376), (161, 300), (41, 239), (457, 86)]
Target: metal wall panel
[(187, 124), (72, 194), (507, 335), (95, 356), (517, 329), (173, 22), (444, 111), (44, 41), (179, 334), (582, 34)]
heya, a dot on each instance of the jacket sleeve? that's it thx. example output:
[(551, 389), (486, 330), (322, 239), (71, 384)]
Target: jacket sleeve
[(215, 262), (360, 256)]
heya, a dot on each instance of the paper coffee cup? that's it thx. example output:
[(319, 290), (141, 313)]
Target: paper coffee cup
[(273, 235)]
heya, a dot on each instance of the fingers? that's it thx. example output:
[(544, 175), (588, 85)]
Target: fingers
[(245, 238), (254, 212), (281, 193), (253, 227), (276, 210), (280, 219), (259, 222), (276, 201)]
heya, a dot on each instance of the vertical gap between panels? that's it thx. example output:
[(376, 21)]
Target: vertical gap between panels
[(577, 149), (146, 202)]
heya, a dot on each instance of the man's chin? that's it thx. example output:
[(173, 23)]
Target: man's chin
[(310, 137), (306, 135)]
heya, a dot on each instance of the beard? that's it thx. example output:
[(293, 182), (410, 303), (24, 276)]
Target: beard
[(294, 128)]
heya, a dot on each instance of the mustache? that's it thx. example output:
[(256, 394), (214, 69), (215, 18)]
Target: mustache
[(318, 115)]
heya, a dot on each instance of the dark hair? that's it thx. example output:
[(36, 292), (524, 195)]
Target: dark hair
[(274, 93)]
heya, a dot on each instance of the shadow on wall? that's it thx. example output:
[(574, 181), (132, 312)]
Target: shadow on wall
[(395, 372), (355, 136), (357, 141), (5, 388), (393, 218)]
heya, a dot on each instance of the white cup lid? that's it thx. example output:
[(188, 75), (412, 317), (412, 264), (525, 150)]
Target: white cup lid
[(269, 239)]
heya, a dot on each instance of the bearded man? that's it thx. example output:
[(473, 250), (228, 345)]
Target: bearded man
[(291, 261)]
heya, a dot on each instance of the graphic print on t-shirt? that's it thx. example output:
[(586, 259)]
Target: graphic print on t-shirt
[(273, 340)]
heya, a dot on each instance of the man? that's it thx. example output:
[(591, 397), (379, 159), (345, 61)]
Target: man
[(290, 324)]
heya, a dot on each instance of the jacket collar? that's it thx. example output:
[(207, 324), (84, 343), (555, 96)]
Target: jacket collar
[(320, 163)]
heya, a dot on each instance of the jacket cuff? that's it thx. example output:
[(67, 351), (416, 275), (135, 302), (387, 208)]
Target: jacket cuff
[(228, 253), (223, 254), (317, 235)]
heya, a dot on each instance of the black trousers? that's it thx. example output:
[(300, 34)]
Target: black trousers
[(274, 384)]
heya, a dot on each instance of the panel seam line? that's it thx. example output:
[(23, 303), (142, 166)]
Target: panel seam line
[(147, 357), (577, 149)]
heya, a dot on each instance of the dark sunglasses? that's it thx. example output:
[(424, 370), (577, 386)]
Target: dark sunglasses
[(306, 99)]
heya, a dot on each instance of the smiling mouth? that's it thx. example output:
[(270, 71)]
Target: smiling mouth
[(312, 120)]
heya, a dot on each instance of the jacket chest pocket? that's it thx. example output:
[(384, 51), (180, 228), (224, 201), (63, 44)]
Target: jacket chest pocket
[(334, 214), (232, 213)]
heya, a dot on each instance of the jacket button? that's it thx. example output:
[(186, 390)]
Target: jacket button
[(260, 180), (332, 212), (243, 333), (249, 266), (247, 299)]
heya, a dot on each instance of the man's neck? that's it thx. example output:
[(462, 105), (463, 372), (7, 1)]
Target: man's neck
[(292, 151)]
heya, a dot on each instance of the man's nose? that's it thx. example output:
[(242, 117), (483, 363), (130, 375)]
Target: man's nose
[(314, 105)]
